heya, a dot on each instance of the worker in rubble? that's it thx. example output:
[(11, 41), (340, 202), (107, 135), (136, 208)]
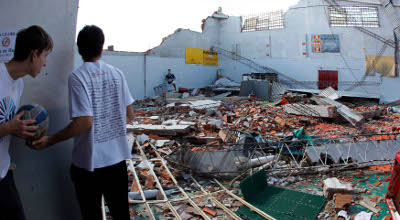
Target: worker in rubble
[(100, 107), (170, 78), (32, 45)]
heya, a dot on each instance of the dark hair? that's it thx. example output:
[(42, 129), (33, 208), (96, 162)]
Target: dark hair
[(30, 39), (169, 69), (90, 42)]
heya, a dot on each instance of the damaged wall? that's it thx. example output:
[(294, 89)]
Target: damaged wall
[(174, 44), (143, 74), (301, 21)]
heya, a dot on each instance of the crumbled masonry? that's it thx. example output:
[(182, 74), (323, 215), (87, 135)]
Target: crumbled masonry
[(190, 154)]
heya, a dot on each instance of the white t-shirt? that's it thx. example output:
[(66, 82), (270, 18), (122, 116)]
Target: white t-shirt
[(99, 90), (10, 94)]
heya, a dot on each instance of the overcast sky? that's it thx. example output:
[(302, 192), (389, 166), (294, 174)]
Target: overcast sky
[(132, 25)]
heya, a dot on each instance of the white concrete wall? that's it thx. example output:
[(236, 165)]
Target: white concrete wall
[(42, 177), (307, 18), (187, 75), (142, 76)]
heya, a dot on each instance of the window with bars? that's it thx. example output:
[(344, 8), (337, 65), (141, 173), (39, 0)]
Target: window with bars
[(261, 22), (353, 16)]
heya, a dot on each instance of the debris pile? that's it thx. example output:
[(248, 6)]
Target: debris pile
[(183, 147)]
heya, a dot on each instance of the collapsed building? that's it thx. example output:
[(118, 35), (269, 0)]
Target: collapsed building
[(349, 45), (281, 115)]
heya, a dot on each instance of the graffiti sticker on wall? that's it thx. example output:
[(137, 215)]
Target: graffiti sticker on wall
[(7, 43), (325, 43)]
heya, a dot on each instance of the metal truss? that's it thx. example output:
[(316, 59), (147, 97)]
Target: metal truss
[(211, 193), (287, 157)]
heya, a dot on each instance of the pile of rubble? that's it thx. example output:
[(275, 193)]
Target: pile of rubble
[(182, 147)]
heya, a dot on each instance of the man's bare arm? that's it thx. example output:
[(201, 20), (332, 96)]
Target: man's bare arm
[(76, 127), (130, 114)]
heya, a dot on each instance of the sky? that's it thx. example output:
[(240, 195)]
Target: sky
[(133, 25)]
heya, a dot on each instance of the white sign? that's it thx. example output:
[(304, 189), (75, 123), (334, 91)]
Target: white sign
[(7, 44)]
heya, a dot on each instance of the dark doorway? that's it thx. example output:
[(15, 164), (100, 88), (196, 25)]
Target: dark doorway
[(327, 78)]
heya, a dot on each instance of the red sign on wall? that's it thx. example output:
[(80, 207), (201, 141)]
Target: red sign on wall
[(317, 43)]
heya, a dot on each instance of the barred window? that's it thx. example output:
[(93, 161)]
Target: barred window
[(353, 16), (261, 22)]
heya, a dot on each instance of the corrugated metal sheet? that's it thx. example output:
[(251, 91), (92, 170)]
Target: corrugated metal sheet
[(342, 93), (355, 151), (330, 93)]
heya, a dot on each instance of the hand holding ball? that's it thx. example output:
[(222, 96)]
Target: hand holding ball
[(38, 113)]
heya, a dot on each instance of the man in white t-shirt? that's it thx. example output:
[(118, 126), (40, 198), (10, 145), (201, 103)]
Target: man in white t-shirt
[(100, 107), (32, 46)]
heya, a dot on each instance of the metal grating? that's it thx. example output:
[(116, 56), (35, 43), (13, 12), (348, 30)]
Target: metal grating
[(264, 21), (278, 202), (353, 16)]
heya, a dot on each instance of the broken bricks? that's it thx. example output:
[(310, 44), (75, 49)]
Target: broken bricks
[(270, 122), (343, 201)]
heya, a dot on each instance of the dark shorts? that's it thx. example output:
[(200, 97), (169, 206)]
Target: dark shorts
[(10, 204), (111, 182)]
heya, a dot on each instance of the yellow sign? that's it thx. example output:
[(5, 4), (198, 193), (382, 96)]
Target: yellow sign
[(210, 58), (200, 56), (385, 65), (194, 55)]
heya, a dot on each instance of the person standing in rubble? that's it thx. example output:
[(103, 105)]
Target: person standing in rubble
[(100, 107), (32, 46), (170, 78)]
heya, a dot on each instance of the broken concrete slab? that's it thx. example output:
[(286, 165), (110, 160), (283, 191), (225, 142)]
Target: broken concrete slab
[(323, 111), (354, 118), (177, 122), (333, 185), (204, 104), (162, 130), (370, 205)]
